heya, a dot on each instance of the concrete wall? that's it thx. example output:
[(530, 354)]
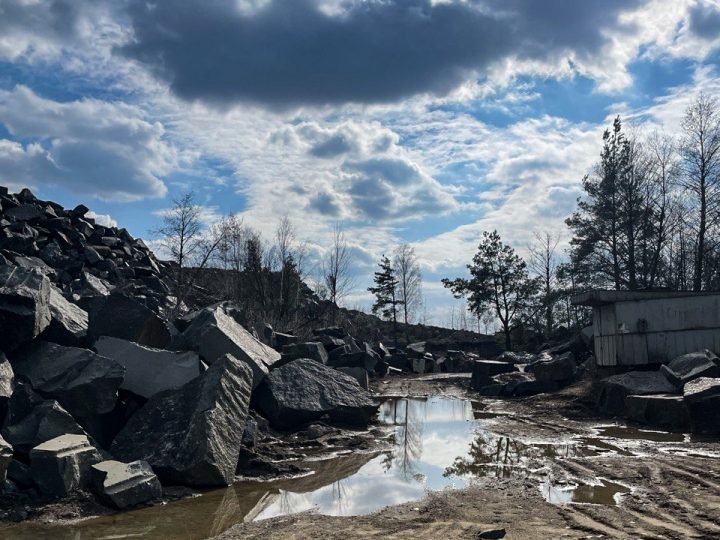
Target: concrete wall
[(655, 330)]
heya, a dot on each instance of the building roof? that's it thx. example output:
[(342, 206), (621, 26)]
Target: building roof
[(603, 297)]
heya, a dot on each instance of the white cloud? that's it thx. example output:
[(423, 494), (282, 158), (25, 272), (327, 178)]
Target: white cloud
[(88, 146)]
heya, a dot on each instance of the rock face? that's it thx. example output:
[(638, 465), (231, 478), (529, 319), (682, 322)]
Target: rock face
[(68, 322), (6, 455), (554, 369), (125, 484), (24, 306), (688, 367), (32, 420), (122, 317), (62, 465), (312, 350), (661, 410), (614, 389), (304, 391), (7, 385), (147, 370), (214, 334), (84, 383), (702, 397), (484, 370), (192, 435)]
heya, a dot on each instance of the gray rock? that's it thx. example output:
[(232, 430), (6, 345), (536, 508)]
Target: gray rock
[(688, 367), (214, 334), (658, 410), (702, 397), (304, 391), (332, 331), (62, 465), (24, 306), (357, 373), (556, 369), (147, 370), (122, 317), (511, 357), (312, 350), (614, 389), (357, 359), (6, 456), (192, 436), (330, 343), (68, 322), (84, 383), (492, 534), (125, 484), (32, 420), (7, 384), (280, 340), (484, 370)]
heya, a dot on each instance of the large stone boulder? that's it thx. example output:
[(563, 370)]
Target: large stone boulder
[(357, 373), (125, 484), (555, 369), (688, 367), (68, 322), (361, 359), (702, 397), (614, 389), (304, 391), (666, 411), (122, 317), (147, 370), (484, 370), (63, 464), (192, 435), (24, 306), (32, 420), (214, 334), (84, 382), (312, 350)]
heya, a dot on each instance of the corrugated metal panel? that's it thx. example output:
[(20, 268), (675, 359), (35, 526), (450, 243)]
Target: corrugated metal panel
[(657, 330)]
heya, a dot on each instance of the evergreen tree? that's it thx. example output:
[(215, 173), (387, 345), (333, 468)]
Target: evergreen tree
[(386, 293), (499, 281)]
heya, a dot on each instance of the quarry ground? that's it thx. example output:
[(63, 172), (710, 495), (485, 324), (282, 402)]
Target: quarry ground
[(672, 482)]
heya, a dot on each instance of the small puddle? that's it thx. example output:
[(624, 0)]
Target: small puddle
[(604, 492), (631, 433), (437, 442)]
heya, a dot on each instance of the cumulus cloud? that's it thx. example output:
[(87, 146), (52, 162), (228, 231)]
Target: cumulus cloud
[(294, 52), (705, 20), (92, 147), (372, 175)]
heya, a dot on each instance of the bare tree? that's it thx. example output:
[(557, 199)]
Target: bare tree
[(337, 271), (285, 238), (544, 263), (189, 246), (700, 151), (409, 276)]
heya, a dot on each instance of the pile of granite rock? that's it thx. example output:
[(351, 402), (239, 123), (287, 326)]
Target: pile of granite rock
[(101, 391)]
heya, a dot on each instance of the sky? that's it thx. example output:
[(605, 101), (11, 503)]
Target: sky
[(419, 121)]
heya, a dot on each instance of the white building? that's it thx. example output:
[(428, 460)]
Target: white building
[(637, 328)]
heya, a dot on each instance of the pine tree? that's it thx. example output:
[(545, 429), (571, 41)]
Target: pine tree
[(499, 281), (385, 291)]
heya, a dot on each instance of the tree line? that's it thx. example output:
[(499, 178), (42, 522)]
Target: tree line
[(649, 219)]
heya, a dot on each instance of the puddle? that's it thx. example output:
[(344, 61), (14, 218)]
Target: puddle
[(604, 492), (437, 443), (631, 433)]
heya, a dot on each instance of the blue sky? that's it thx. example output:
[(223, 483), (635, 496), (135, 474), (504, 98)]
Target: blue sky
[(421, 121)]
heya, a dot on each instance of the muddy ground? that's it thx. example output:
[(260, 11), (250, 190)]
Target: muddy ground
[(672, 483)]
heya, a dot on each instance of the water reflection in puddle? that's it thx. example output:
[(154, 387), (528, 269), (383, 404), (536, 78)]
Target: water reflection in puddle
[(438, 442), (604, 492), (632, 433)]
